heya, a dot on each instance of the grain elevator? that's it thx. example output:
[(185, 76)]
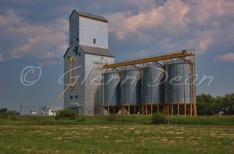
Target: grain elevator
[(95, 85), (83, 60)]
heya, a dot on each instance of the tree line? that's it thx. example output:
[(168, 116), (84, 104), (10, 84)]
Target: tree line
[(9, 112), (209, 105), (206, 105)]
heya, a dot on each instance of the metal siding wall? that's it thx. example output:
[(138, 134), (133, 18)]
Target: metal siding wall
[(90, 29), (69, 92), (78, 89), (66, 81), (92, 91), (73, 30), (80, 73)]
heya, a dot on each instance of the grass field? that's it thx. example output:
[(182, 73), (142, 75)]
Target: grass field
[(123, 134)]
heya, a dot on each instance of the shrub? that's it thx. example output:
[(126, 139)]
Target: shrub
[(66, 114), (159, 118)]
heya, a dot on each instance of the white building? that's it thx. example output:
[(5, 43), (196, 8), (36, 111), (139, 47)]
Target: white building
[(87, 52), (33, 112), (52, 111)]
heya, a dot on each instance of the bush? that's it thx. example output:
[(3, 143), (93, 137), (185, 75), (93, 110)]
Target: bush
[(66, 114), (159, 118)]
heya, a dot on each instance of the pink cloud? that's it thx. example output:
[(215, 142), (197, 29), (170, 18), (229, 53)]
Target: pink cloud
[(227, 57), (2, 58), (169, 16), (199, 23)]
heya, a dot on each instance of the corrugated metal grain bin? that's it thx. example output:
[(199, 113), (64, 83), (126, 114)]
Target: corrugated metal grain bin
[(178, 84), (111, 88), (130, 86), (151, 86)]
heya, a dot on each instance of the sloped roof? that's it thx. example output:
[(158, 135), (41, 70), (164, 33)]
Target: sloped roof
[(89, 15), (96, 51), (179, 61), (66, 52)]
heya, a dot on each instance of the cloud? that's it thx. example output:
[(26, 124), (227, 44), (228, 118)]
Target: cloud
[(204, 44), (164, 17), (29, 40), (48, 62), (176, 24), (139, 54), (134, 25), (227, 57), (1, 58)]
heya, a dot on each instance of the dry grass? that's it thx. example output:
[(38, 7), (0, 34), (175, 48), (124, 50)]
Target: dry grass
[(117, 139)]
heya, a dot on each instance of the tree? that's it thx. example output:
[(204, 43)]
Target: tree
[(227, 104), (206, 105), (3, 110), (218, 104)]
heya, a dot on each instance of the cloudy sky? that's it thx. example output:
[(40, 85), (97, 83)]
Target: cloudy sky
[(35, 34)]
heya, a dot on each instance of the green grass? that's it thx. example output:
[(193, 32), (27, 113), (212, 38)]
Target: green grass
[(116, 134), (202, 120), (114, 119)]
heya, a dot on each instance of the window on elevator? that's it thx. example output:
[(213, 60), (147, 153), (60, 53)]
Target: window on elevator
[(76, 50)]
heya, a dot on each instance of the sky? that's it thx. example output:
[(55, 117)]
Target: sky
[(34, 37)]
